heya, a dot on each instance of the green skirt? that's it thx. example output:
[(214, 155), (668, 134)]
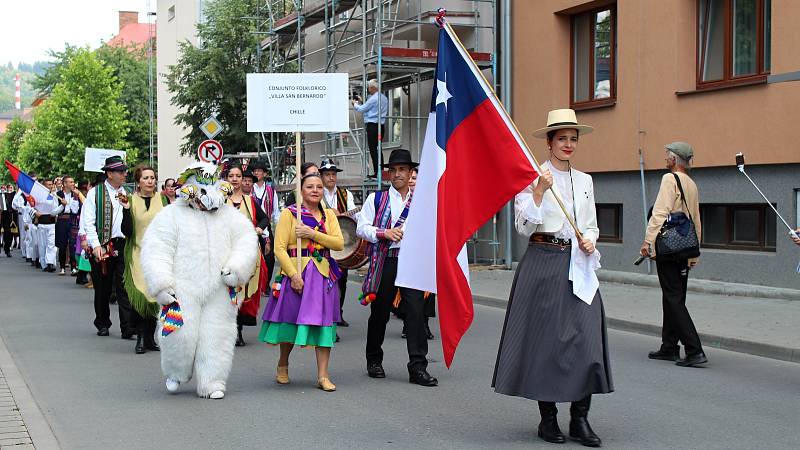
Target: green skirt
[(303, 335)]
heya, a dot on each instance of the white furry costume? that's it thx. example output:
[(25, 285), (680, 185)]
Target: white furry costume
[(193, 252)]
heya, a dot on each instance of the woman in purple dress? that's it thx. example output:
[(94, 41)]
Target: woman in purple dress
[(303, 308)]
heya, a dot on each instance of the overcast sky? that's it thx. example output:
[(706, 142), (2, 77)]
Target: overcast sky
[(31, 27)]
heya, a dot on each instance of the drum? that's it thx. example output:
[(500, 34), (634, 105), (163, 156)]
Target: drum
[(354, 254)]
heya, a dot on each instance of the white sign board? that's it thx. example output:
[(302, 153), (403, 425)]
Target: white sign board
[(297, 102), (95, 158)]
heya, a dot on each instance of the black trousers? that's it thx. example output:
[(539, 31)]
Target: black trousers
[(342, 292), (372, 143), (380, 309), (105, 284), (678, 326), (5, 223)]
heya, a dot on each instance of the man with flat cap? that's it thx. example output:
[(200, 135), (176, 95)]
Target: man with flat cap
[(678, 193), (101, 217), (340, 200), (381, 222)]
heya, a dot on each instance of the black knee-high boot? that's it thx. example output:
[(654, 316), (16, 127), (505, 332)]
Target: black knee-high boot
[(579, 428), (548, 427)]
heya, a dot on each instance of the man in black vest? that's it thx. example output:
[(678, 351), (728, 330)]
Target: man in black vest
[(101, 216)]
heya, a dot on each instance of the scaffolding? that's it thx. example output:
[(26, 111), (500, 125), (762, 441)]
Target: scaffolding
[(391, 41)]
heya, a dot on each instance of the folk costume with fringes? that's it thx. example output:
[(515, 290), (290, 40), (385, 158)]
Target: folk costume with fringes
[(308, 318)]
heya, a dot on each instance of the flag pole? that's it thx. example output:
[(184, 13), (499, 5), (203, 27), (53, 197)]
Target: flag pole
[(511, 121), (298, 198)]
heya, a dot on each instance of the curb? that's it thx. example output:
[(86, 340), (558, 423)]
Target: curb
[(709, 340), (38, 428), (703, 286)]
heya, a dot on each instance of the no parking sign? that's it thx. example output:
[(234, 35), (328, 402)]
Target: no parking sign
[(209, 151)]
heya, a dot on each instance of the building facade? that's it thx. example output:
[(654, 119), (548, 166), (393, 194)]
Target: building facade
[(177, 21), (723, 75)]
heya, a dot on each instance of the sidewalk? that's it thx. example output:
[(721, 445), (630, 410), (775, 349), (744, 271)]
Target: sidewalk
[(768, 327)]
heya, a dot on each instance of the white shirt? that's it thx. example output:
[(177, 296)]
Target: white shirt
[(259, 192), (89, 215), (527, 211), (72, 206), (366, 217), (332, 199)]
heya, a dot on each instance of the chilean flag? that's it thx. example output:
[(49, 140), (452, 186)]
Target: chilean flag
[(38, 195), (473, 162)]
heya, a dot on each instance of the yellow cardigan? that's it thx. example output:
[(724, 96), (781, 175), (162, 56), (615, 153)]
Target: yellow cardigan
[(286, 238)]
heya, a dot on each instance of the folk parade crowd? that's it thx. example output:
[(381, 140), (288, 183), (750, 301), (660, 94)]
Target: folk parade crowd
[(188, 266)]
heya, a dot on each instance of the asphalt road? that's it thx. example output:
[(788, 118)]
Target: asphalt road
[(96, 393)]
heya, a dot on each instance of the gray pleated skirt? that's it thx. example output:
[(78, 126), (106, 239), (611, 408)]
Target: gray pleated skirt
[(554, 347)]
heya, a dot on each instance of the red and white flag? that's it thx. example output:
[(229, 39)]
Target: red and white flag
[(473, 162)]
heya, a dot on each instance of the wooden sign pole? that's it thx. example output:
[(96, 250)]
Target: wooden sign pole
[(298, 153)]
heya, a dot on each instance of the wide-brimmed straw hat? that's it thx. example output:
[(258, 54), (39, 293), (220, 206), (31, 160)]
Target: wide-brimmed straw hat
[(559, 119)]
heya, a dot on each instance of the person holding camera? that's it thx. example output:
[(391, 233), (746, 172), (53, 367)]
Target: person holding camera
[(678, 193)]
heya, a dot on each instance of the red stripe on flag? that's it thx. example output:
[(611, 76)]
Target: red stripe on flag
[(485, 168)]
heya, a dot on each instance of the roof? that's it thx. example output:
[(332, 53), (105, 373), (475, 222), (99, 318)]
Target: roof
[(133, 33)]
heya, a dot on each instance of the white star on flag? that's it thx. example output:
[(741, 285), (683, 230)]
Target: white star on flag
[(443, 95)]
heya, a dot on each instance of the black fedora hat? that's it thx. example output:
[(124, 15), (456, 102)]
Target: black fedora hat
[(399, 157), (328, 164), (115, 164), (249, 174), (258, 164)]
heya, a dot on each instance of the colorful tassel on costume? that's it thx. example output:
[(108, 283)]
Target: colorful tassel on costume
[(171, 317), (232, 294), (366, 299), (276, 286)]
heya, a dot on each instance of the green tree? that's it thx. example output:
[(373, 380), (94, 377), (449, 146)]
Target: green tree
[(10, 143), (210, 78), (129, 65), (83, 110)]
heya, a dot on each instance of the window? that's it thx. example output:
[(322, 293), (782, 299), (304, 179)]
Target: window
[(733, 41), (738, 227), (609, 220), (594, 48), (394, 125), (171, 13)]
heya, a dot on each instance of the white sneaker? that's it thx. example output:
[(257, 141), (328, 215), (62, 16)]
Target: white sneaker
[(62, 272), (216, 395), (172, 385)]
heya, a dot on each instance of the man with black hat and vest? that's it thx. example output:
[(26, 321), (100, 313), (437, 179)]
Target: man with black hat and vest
[(7, 214), (340, 200), (101, 217), (381, 222)]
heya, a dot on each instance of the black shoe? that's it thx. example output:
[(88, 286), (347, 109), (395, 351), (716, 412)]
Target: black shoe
[(152, 347), (375, 370), (50, 268), (665, 355), (404, 334), (337, 337), (140, 346), (128, 335), (8, 254), (548, 428), (239, 338), (692, 360), (428, 333), (579, 429), (422, 378), (343, 323), (102, 332)]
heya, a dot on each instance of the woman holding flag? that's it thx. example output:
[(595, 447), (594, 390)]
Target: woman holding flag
[(304, 306), (554, 346)]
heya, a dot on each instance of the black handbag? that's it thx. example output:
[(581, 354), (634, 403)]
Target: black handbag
[(677, 239)]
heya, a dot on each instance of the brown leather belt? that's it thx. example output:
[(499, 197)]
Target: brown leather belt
[(542, 238)]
